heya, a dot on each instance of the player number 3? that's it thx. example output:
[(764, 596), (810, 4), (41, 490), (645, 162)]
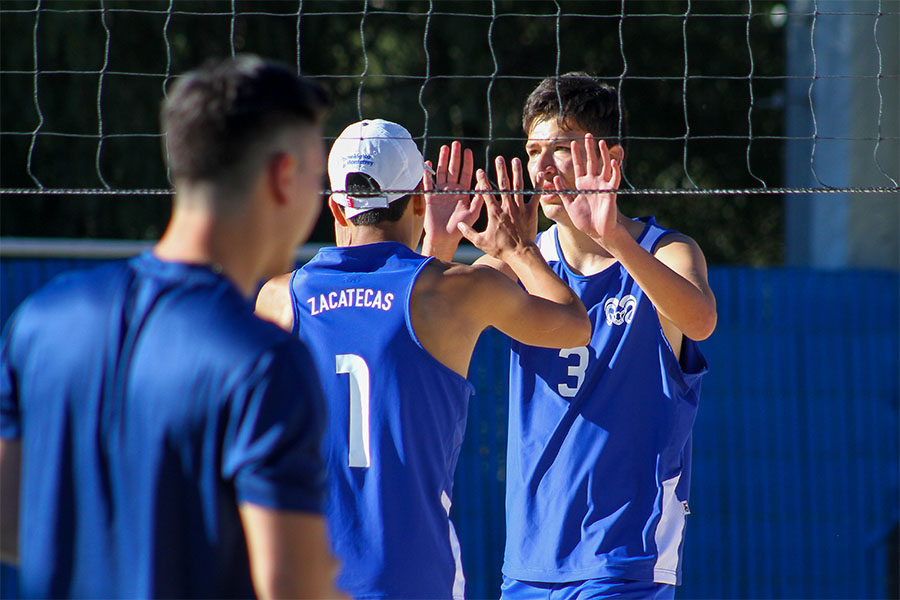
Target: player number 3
[(576, 370)]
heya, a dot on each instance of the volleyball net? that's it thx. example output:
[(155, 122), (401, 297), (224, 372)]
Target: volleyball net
[(727, 99)]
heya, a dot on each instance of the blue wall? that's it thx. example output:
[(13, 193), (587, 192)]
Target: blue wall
[(795, 484)]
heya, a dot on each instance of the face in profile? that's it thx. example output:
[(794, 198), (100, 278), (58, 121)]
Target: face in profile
[(311, 171), (550, 154), (299, 216)]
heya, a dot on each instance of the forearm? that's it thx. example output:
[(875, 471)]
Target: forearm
[(289, 553), (539, 279), (689, 305), (440, 247)]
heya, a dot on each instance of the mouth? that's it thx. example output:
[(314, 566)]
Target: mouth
[(548, 195)]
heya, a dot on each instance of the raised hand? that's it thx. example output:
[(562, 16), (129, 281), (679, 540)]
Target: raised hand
[(594, 214), (443, 212), (512, 222)]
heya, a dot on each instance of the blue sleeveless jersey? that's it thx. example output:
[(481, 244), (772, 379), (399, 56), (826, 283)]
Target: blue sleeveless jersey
[(598, 465), (396, 423)]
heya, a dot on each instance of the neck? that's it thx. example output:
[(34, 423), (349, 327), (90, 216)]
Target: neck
[(585, 255), (383, 232), (227, 245)]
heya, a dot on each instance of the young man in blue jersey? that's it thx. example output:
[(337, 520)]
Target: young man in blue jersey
[(598, 465), (392, 332), (169, 439)]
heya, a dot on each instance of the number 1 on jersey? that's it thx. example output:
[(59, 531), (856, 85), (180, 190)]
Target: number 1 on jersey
[(358, 370)]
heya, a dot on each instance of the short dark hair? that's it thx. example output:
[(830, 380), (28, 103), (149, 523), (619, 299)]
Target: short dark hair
[(362, 184), (576, 98), (223, 121)]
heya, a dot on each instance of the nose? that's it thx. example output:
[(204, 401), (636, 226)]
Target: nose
[(543, 163)]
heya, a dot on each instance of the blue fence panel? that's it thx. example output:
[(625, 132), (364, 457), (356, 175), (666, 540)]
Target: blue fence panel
[(795, 491), (795, 483)]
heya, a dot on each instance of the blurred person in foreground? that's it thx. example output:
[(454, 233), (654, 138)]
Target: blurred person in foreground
[(392, 333), (165, 440), (599, 450)]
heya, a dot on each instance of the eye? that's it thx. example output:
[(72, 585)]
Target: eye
[(532, 152), (562, 148)]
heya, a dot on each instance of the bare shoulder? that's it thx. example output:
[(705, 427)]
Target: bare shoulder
[(680, 253), (273, 303), (455, 274), (458, 286), (496, 264)]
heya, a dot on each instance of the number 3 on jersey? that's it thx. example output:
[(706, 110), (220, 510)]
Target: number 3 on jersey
[(576, 370), (355, 366)]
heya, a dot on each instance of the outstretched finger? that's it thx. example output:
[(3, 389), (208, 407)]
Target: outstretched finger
[(427, 181), (616, 168), (453, 167), (518, 182), (606, 173), (483, 187), (443, 159), (502, 180), (578, 158), (590, 147), (560, 186), (468, 167), (469, 233)]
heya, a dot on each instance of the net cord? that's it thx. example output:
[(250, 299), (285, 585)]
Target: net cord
[(100, 81), (752, 100), (636, 192), (37, 101), (684, 82), (880, 96)]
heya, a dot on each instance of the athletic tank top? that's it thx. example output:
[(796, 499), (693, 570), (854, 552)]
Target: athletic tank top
[(396, 423), (598, 465)]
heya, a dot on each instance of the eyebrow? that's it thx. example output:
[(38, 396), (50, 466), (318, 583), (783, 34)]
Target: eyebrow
[(549, 141)]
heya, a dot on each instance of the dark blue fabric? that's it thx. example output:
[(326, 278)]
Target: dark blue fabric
[(150, 401)]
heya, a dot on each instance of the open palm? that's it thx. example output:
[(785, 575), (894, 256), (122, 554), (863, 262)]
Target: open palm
[(593, 213), (444, 211)]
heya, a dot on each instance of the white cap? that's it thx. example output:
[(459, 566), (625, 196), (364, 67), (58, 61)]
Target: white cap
[(382, 150)]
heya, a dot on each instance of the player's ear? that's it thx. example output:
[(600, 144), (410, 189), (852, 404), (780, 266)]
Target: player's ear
[(281, 172), (617, 153), (418, 204), (336, 212)]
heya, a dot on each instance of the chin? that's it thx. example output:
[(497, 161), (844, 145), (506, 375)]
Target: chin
[(555, 212)]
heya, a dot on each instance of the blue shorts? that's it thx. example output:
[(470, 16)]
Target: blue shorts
[(513, 589)]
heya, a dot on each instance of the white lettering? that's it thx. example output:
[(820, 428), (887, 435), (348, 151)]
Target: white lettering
[(350, 297)]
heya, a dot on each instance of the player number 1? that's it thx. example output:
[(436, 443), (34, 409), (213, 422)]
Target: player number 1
[(355, 366)]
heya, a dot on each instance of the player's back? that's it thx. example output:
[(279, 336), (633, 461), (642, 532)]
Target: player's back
[(396, 422), (131, 381)]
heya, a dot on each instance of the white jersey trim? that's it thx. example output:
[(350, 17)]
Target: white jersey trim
[(546, 243), (669, 533), (459, 580)]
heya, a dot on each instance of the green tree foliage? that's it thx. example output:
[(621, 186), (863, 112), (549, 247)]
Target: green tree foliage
[(445, 69)]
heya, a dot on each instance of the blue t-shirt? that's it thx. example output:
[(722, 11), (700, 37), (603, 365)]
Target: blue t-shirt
[(150, 402), (396, 419), (598, 465)]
